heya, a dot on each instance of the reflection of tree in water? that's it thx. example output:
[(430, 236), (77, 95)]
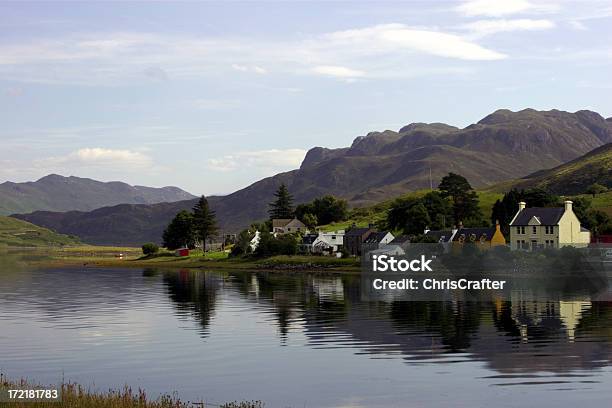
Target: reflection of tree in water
[(193, 292), (294, 296), (455, 323), (518, 336)]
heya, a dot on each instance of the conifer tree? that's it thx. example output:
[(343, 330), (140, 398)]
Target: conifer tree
[(204, 221), (282, 207)]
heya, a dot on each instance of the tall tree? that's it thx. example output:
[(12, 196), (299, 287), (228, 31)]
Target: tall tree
[(204, 222), (463, 197), (282, 206), (180, 232)]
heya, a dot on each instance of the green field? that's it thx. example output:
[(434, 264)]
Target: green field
[(17, 233)]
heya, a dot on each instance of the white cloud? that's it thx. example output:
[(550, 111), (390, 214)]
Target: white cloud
[(499, 8), (122, 58), (249, 68), (394, 38), (337, 71), (486, 27), (98, 157), (266, 160)]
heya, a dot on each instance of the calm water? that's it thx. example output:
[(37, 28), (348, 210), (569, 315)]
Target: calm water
[(298, 340)]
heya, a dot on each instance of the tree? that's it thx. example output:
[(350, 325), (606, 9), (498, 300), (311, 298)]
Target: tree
[(595, 189), (439, 209), (464, 199), (269, 245), (327, 209), (310, 220), (506, 208), (282, 207), (417, 219), (150, 248), (204, 222), (243, 243), (180, 232)]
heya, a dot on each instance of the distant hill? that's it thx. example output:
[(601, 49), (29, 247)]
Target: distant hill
[(18, 233), (573, 177), (503, 145), (58, 193)]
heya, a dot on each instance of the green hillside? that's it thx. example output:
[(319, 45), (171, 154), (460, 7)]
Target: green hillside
[(363, 216), (18, 233), (372, 214), (571, 178)]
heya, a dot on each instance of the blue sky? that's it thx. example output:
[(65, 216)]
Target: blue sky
[(211, 96)]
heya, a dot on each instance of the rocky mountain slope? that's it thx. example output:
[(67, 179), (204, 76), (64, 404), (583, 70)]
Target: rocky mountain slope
[(573, 177)]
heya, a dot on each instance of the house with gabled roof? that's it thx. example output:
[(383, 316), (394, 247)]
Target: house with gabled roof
[(287, 226), (539, 227), (355, 237), (482, 237)]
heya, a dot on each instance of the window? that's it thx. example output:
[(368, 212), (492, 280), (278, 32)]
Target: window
[(550, 229), (520, 230), (333, 237), (534, 230)]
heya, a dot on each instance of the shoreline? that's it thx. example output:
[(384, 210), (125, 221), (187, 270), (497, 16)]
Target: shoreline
[(106, 257)]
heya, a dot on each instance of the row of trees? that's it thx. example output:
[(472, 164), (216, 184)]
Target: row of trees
[(320, 211), (454, 202), (191, 229)]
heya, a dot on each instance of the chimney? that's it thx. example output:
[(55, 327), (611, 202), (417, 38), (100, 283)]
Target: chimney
[(568, 205), (522, 205), (497, 227)]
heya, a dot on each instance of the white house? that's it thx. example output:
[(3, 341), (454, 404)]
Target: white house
[(538, 227), (255, 241), (328, 242)]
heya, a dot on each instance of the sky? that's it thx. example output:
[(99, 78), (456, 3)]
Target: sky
[(212, 96)]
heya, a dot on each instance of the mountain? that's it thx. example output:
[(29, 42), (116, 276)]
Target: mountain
[(503, 145), (573, 177), (18, 233), (58, 193)]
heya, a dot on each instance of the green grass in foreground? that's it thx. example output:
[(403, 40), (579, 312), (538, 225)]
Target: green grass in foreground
[(77, 396), (18, 233)]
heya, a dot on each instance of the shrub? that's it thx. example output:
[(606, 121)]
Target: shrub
[(150, 248)]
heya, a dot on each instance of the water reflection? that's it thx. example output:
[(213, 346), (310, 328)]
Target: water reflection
[(229, 335), (510, 336)]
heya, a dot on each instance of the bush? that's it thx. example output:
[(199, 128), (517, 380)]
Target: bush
[(150, 248)]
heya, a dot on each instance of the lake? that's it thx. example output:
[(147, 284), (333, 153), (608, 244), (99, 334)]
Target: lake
[(298, 340)]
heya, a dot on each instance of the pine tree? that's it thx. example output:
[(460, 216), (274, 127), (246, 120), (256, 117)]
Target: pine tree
[(282, 207), (463, 198), (204, 221)]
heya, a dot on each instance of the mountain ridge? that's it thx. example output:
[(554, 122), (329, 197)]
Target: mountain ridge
[(54, 192), (503, 145)]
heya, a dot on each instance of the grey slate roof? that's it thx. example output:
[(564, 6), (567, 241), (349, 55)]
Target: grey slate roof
[(441, 236), (308, 239), (547, 216), (401, 239), (356, 231), (375, 237), (477, 232)]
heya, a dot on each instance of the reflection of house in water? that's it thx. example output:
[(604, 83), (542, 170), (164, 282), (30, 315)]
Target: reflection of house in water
[(328, 288), (570, 313)]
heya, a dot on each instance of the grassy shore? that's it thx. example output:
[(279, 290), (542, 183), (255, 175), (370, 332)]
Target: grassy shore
[(76, 396), (93, 256)]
